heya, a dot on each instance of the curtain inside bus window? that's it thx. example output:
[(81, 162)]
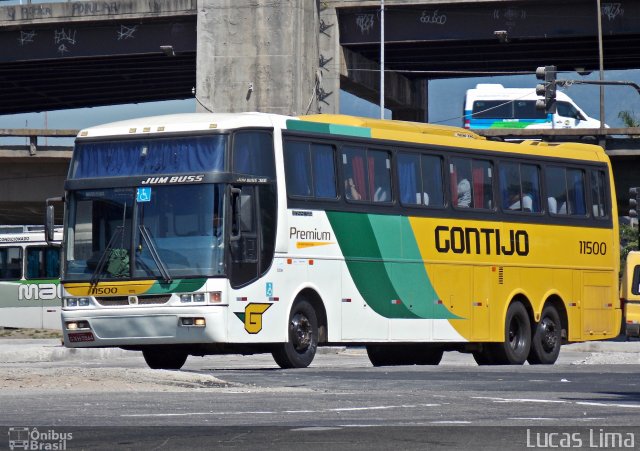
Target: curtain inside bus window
[(371, 174), (407, 168), (598, 198), (34, 256), (253, 154), (148, 156), (477, 177), (324, 174), (530, 176), (353, 159), (297, 168), (577, 204), (453, 179), (432, 194), (52, 263), (358, 176), (379, 176)]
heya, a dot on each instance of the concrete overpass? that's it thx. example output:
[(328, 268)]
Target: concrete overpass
[(284, 56)]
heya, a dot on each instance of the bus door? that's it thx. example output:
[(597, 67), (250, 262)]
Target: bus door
[(42, 275), (252, 232)]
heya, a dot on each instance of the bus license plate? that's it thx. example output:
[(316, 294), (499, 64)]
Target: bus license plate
[(80, 337)]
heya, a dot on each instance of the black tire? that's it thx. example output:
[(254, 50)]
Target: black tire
[(514, 350), (300, 348), (164, 357), (547, 338)]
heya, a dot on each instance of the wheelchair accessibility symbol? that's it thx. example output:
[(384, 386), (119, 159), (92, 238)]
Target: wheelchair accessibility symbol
[(143, 195)]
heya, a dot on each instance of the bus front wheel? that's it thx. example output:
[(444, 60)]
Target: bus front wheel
[(547, 339), (300, 348), (164, 357)]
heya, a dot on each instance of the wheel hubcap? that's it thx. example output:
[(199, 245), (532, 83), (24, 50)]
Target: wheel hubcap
[(516, 338), (300, 332), (549, 336)]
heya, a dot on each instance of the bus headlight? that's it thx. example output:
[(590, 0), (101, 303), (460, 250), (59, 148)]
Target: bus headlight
[(75, 325), (77, 302), (184, 298), (198, 297)]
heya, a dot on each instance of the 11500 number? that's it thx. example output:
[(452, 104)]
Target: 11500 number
[(593, 247)]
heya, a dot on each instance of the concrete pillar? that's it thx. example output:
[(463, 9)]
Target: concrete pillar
[(257, 55), (329, 60)]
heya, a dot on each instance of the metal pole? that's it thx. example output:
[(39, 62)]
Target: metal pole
[(601, 59), (382, 59)]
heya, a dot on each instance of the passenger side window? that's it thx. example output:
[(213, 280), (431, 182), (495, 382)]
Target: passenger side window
[(598, 194), (10, 263), (253, 154), (566, 191), (471, 183), (520, 187), (565, 109), (366, 174), (43, 262), (420, 180), (310, 169)]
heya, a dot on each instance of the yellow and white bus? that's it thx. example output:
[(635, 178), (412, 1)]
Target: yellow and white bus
[(246, 233), (29, 278)]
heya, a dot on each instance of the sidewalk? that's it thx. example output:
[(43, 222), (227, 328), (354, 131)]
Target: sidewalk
[(51, 350)]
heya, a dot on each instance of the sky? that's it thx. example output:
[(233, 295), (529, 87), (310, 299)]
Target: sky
[(445, 102)]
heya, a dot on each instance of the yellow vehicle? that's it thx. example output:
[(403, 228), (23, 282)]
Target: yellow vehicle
[(245, 233), (630, 294)]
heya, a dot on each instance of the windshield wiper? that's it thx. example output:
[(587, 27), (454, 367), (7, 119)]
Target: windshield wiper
[(95, 277), (146, 236)]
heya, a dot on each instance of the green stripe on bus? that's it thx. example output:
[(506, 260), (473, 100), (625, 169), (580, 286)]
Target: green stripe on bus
[(318, 127), (177, 286), (385, 264)]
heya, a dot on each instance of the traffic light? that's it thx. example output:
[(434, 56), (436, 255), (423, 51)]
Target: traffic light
[(633, 202), (547, 90)]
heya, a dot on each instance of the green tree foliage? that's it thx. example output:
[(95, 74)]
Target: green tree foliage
[(629, 119)]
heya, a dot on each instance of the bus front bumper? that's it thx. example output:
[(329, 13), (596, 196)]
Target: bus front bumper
[(156, 326)]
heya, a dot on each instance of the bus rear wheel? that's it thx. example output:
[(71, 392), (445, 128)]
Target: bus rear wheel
[(300, 348), (164, 357), (547, 338), (514, 350)]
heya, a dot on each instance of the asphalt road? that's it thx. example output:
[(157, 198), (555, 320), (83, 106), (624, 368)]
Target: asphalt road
[(113, 401)]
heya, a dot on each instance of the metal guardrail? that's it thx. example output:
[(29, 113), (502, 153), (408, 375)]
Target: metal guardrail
[(34, 133), (44, 132)]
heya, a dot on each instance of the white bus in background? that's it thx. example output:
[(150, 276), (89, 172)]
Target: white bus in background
[(29, 278), (494, 106)]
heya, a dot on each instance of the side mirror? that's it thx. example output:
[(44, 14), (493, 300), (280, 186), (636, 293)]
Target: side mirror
[(49, 223)]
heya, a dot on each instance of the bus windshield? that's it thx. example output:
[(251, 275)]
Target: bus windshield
[(165, 232)]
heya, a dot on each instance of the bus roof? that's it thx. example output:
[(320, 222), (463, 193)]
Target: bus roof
[(338, 124), (445, 135), (186, 122)]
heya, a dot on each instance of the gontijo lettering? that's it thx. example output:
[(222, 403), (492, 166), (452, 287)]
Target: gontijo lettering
[(469, 240)]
